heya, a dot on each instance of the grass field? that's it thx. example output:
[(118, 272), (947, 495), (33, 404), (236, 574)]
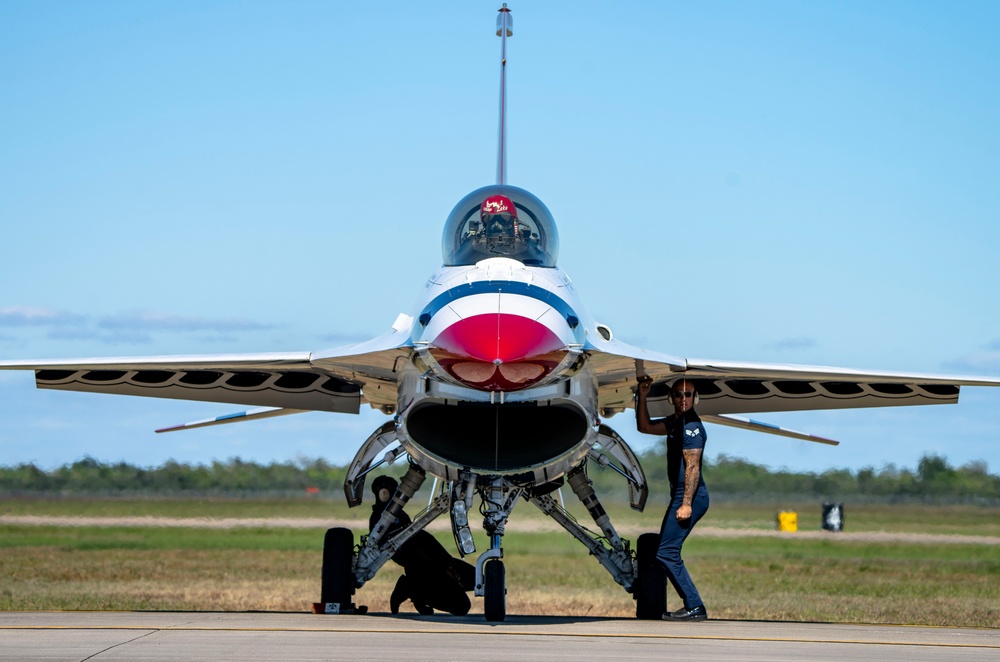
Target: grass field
[(119, 567)]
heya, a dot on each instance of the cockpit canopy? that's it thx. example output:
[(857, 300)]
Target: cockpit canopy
[(500, 221)]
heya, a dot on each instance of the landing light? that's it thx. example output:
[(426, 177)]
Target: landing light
[(460, 520)]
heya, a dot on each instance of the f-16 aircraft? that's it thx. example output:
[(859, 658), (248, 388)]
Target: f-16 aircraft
[(498, 384)]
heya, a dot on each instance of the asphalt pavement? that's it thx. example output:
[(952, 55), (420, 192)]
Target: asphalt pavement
[(141, 636)]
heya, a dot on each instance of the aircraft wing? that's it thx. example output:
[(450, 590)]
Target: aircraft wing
[(727, 387), (336, 380)]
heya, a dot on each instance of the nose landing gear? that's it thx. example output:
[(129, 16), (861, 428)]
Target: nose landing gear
[(491, 582)]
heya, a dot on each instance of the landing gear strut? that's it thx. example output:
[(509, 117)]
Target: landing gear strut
[(346, 569), (491, 583)]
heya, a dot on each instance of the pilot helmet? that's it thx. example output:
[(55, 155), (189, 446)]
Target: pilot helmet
[(498, 216)]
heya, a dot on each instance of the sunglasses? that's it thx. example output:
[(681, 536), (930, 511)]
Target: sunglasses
[(683, 394)]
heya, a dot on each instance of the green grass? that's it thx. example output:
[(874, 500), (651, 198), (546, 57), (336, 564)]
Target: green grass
[(88, 538), (784, 578), (269, 568), (789, 579), (333, 507), (964, 519), (909, 518)]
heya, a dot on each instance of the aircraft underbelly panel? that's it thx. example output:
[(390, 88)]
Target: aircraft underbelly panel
[(763, 396), (377, 372), (293, 390)]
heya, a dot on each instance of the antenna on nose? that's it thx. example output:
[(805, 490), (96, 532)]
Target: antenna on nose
[(505, 28)]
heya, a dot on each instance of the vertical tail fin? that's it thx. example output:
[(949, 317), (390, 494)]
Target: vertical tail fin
[(505, 28)]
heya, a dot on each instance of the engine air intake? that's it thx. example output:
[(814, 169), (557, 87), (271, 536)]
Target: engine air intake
[(494, 437)]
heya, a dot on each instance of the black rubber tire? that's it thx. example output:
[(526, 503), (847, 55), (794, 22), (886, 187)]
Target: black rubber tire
[(338, 558), (650, 588), (494, 591)]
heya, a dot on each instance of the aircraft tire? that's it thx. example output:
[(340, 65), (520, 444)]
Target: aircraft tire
[(495, 591), (338, 557), (650, 589)]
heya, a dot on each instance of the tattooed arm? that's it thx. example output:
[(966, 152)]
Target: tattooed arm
[(692, 476)]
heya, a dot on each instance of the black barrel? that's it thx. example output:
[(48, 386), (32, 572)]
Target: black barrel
[(833, 517)]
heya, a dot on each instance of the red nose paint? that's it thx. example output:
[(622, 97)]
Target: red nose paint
[(498, 352)]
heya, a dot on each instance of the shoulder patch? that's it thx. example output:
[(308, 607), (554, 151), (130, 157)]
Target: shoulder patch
[(693, 433)]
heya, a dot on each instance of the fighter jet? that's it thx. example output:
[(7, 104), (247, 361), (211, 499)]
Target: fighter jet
[(498, 384)]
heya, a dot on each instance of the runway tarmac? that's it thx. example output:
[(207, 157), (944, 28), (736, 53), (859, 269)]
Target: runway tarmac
[(142, 636)]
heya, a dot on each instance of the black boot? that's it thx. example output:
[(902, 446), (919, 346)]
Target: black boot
[(698, 613)]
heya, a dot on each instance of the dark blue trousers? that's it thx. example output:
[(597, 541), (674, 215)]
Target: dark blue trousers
[(672, 536)]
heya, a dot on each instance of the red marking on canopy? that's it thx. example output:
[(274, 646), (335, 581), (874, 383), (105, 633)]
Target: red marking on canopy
[(498, 204)]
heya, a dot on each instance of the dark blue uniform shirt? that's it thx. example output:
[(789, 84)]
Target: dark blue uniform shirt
[(684, 433)]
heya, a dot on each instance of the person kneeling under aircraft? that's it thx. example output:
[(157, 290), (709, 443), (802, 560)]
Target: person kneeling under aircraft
[(432, 578)]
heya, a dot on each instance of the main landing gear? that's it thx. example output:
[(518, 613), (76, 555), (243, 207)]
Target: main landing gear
[(347, 568), (650, 588), (337, 583)]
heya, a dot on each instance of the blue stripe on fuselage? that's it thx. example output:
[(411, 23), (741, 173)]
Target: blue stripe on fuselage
[(499, 287)]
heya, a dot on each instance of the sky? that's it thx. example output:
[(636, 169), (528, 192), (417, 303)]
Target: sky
[(785, 182)]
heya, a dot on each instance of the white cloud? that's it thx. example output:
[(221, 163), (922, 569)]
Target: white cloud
[(28, 316), (987, 361), (126, 328)]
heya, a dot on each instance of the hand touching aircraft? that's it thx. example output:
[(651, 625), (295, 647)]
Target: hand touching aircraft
[(498, 384)]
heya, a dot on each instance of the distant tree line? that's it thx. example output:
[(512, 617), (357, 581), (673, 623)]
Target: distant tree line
[(234, 476), (933, 479)]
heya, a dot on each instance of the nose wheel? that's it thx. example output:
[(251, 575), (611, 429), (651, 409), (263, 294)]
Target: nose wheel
[(495, 591)]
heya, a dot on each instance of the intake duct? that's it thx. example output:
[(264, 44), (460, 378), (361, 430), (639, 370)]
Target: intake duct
[(496, 437)]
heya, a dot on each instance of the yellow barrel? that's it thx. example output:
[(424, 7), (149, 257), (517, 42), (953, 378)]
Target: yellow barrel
[(788, 521)]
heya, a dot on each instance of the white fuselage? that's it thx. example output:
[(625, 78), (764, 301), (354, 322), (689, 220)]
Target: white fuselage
[(499, 381)]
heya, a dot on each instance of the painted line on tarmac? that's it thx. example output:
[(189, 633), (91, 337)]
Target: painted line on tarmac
[(589, 635)]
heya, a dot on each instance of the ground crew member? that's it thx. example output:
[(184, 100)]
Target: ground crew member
[(433, 578), (688, 493)]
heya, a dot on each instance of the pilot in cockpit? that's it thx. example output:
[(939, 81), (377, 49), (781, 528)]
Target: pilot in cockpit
[(497, 230), (498, 216)]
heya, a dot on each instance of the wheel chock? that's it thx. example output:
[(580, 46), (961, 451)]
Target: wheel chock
[(338, 608)]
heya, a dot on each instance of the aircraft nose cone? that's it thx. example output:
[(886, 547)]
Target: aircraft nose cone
[(498, 351), (498, 338)]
